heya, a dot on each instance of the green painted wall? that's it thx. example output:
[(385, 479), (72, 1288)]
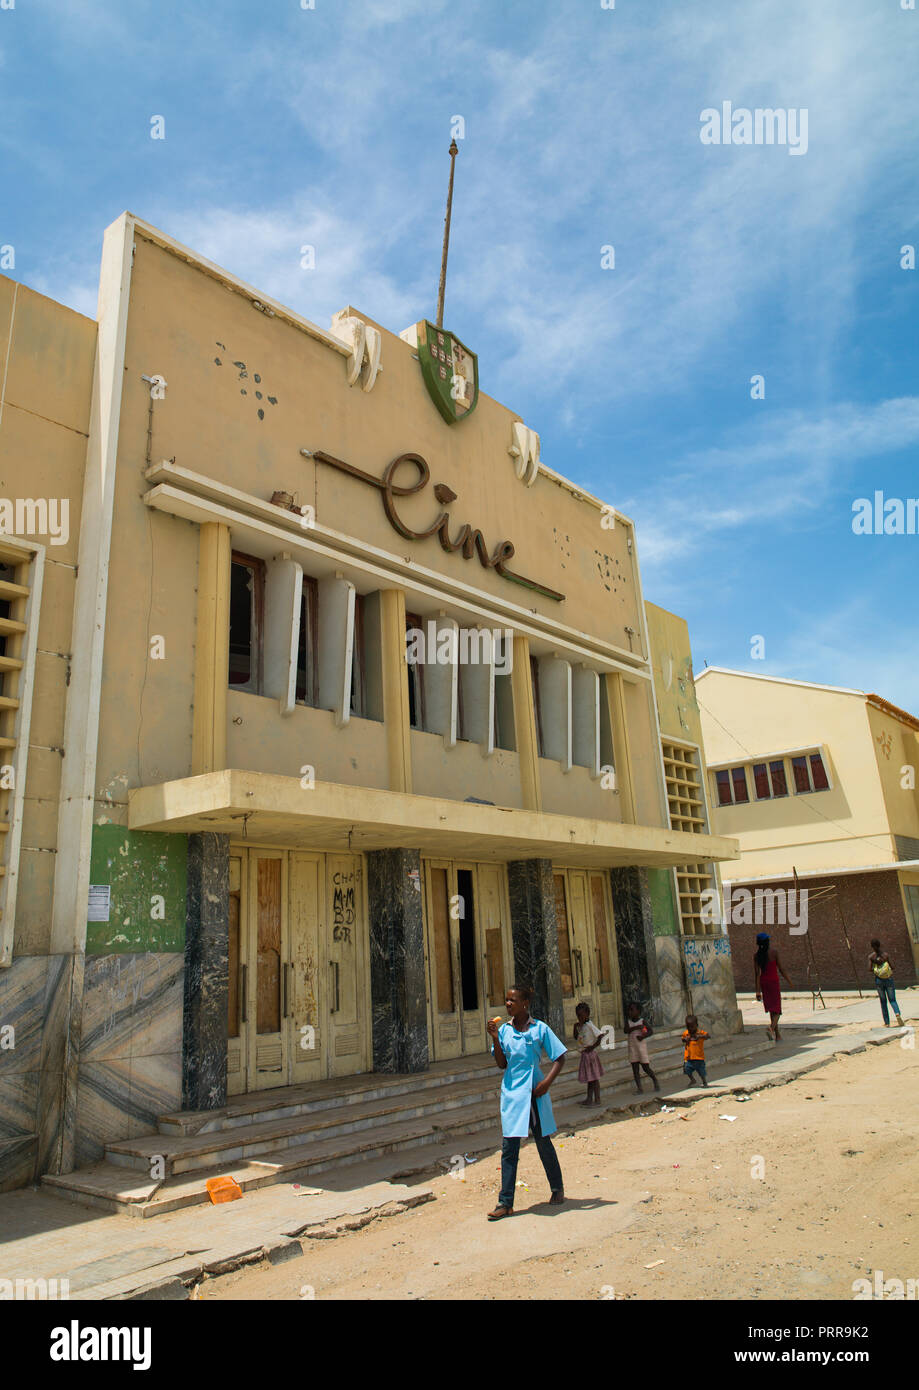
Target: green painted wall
[(140, 867), (663, 908)]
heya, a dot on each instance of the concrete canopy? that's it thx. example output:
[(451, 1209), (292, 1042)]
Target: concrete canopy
[(330, 816)]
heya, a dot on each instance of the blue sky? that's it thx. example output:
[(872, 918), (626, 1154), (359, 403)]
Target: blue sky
[(288, 126)]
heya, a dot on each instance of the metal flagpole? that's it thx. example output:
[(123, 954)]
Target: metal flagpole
[(454, 151)]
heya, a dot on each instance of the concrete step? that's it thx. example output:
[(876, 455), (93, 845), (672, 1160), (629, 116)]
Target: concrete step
[(243, 1142), (258, 1107), (246, 1133), (300, 1144)]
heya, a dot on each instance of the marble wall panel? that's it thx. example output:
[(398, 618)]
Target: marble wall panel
[(22, 1007), (673, 1001), (132, 1006), (534, 932), (103, 1109), (18, 1103), (131, 1059), (635, 940), (60, 1051), (397, 981), (17, 1162), (207, 919)]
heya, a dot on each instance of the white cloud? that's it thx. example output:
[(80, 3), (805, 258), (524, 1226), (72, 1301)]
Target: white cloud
[(264, 248), (784, 470), (857, 645)]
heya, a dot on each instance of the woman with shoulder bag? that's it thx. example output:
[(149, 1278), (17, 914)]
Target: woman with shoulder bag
[(883, 977)]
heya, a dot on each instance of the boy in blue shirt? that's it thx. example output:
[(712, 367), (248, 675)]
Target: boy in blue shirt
[(525, 1105)]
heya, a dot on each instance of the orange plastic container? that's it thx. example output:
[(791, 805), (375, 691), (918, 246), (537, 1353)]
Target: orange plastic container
[(223, 1189)]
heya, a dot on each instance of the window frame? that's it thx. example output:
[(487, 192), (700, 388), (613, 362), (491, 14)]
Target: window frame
[(807, 759), (537, 705), (358, 698), (309, 622), (499, 732), (254, 684), (415, 675), (772, 768), (730, 773)]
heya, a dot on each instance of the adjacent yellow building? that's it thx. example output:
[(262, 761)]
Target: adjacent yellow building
[(822, 781)]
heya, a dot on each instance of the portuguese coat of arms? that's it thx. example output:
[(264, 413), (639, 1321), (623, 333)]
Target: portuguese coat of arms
[(450, 371)]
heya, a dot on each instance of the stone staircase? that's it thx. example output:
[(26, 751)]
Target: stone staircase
[(297, 1132)]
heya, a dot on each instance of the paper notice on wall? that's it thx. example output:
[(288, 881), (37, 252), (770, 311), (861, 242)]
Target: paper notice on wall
[(100, 902)]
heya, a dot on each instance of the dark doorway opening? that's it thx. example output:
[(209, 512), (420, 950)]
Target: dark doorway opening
[(468, 972)]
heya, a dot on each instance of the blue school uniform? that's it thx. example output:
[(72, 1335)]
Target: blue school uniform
[(523, 1049)]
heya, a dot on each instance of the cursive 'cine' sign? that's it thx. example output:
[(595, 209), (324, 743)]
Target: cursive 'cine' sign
[(468, 540)]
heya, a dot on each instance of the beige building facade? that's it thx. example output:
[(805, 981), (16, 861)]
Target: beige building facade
[(822, 781), (328, 717)]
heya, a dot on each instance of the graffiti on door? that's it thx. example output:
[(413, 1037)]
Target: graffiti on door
[(343, 905)]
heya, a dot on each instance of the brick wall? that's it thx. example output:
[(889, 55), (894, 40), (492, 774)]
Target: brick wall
[(871, 906)]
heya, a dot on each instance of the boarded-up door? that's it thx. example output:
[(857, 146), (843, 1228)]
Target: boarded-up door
[(307, 1034), (345, 933), (269, 981), (443, 961)]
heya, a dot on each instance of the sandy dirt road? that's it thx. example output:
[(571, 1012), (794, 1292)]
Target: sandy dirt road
[(838, 1196)]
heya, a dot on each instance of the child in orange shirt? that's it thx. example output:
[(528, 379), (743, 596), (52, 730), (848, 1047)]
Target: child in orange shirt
[(694, 1050)]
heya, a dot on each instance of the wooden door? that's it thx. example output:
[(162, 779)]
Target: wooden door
[(586, 947), (573, 944), (605, 956), (442, 950), (306, 910), (238, 970), (496, 952), (581, 937), (469, 958), (345, 957), (269, 970)]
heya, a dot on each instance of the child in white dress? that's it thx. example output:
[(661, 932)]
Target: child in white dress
[(588, 1037)]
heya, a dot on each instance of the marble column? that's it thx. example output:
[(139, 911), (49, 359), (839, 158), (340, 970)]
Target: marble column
[(397, 986), (635, 940), (534, 931), (207, 917)]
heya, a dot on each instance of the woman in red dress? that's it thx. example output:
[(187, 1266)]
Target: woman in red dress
[(766, 968)]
